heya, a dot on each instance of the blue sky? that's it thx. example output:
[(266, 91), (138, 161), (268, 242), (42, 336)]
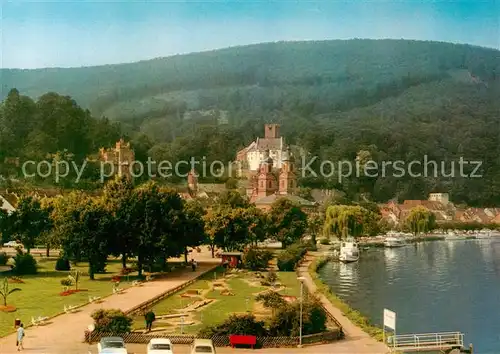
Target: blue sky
[(38, 34)]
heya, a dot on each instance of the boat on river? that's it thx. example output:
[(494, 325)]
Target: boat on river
[(452, 236), (484, 233), (349, 251), (393, 242)]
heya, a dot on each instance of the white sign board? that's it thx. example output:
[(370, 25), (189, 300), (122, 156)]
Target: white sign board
[(389, 319)]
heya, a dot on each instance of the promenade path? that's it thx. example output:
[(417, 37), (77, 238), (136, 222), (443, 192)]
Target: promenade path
[(356, 340), (64, 334)]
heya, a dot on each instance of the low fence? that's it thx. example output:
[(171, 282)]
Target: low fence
[(151, 302), (219, 341)]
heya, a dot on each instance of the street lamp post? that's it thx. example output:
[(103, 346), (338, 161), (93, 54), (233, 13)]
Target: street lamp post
[(301, 279)]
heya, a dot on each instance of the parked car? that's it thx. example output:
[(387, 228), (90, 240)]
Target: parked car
[(201, 346), (111, 345), (12, 244), (160, 346)]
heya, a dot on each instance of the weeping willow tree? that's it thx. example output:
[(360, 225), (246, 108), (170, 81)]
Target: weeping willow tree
[(420, 220), (344, 220)]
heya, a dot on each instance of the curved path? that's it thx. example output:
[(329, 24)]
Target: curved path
[(64, 334), (356, 340)]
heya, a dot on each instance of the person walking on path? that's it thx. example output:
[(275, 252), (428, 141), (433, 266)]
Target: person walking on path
[(20, 337), (193, 265), (150, 318)]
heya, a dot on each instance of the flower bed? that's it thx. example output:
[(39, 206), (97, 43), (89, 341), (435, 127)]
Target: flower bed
[(16, 280), (71, 291)]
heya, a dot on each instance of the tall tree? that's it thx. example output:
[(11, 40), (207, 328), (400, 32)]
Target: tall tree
[(117, 199), (87, 232), (157, 217), (288, 222), (344, 220), (5, 226), (315, 223), (194, 232), (232, 199), (29, 221), (420, 220), (228, 228)]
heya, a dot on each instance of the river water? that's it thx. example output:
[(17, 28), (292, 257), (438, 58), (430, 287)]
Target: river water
[(439, 286)]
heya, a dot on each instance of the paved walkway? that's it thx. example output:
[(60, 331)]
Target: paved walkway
[(64, 335), (356, 340)]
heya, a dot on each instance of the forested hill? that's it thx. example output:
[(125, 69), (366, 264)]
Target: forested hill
[(333, 68), (393, 99)]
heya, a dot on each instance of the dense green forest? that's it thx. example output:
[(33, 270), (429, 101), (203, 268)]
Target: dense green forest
[(383, 99)]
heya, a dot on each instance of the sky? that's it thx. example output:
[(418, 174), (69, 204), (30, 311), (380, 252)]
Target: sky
[(36, 34)]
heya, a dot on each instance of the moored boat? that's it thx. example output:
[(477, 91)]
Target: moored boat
[(394, 242), (452, 235), (349, 251)]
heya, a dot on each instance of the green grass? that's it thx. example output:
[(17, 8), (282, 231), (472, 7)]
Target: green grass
[(39, 295), (355, 316), (218, 311)]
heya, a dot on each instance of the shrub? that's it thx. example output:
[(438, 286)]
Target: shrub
[(324, 241), (235, 324), (255, 259), (231, 183), (272, 277), (288, 259), (63, 264), (111, 321), (286, 321), (4, 258), (66, 282), (24, 264), (287, 262), (271, 299)]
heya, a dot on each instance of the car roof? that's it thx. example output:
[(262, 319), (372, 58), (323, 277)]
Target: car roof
[(203, 342), (112, 339), (160, 341)]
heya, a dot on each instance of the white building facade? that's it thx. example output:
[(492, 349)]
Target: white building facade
[(250, 157)]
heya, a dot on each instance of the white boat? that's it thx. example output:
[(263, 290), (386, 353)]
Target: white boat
[(451, 236), (483, 234), (495, 233), (394, 242), (349, 251)]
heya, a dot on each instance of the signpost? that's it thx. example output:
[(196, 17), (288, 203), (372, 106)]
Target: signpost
[(389, 321)]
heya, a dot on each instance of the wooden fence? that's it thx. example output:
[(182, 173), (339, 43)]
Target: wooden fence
[(219, 341), (151, 302)]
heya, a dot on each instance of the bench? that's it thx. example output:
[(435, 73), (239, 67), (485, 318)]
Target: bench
[(239, 339)]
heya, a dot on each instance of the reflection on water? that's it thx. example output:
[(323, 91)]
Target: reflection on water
[(433, 287)]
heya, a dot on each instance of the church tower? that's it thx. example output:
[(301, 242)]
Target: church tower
[(266, 180), (288, 176)]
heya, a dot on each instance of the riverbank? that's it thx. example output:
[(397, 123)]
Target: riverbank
[(353, 315), (368, 242), (358, 339)]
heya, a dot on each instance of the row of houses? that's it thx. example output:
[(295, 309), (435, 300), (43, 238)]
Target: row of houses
[(444, 210)]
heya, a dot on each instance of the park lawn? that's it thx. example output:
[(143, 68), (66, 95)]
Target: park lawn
[(175, 301), (39, 295), (217, 312), (291, 283)]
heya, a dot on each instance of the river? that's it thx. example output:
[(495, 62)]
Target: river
[(436, 286)]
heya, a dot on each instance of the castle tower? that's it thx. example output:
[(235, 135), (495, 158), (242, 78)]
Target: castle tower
[(288, 176), (125, 157), (271, 131), (122, 157), (192, 180), (266, 179)]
